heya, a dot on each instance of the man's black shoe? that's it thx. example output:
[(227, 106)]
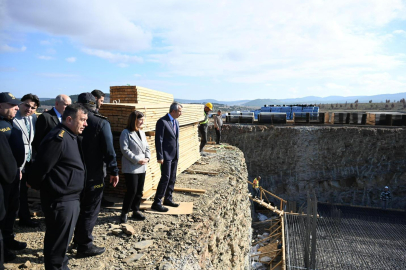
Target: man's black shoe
[(137, 215), (8, 255), (14, 244), (28, 223), (92, 251), (171, 203), (123, 218), (106, 203), (159, 207)]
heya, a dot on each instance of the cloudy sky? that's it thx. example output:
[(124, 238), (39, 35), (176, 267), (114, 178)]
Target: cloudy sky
[(226, 50)]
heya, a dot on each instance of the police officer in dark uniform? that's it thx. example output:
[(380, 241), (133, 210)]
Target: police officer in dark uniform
[(97, 148), (59, 172), (8, 168), (8, 110)]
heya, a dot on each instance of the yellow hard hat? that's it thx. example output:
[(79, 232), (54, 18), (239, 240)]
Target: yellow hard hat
[(209, 105)]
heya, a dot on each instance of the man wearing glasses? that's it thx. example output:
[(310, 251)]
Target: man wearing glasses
[(25, 121), (50, 119)]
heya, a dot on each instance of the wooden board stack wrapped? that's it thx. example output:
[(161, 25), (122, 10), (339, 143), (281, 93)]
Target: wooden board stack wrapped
[(138, 94), (117, 114)]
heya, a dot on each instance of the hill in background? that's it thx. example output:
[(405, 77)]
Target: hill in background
[(261, 102)]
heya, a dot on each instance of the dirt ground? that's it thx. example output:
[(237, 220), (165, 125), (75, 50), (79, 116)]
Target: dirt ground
[(174, 238)]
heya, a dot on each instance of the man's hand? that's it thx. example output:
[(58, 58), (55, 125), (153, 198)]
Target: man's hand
[(21, 175), (161, 161), (114, 180), (27, 185)]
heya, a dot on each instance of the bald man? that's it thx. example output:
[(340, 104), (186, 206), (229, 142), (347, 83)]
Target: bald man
[(50, 119)]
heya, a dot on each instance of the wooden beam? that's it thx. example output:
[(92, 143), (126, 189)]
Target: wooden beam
[(276, 265), (201, 172), (187, 190), (209, 151), (371, 118), (283, 243)]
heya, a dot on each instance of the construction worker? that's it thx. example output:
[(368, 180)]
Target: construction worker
[(385, 197), (255, 186), (203, 126)]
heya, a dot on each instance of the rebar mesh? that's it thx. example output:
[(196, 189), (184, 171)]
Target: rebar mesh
[(349, 238)]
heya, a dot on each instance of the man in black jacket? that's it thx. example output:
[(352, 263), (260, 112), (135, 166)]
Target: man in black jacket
[(59, 172), (8, 168), (8, 110), (167, 153), (97, 148), (50, 119)]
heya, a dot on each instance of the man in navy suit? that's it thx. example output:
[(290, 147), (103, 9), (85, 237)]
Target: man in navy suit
[(167, 153), (50, 119)]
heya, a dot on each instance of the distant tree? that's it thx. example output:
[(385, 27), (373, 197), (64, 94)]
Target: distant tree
[(351, 106), (332, 106), (346, 104), (356, 101), (356, 105), (372, 105), (341, 105), (370, 101), (393, 105), (386, 106), (337, 105)]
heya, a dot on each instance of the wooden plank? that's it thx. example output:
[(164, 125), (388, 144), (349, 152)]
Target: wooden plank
[(371, 118), (210, 150), (283, 242), (201, 172), (188, 190)]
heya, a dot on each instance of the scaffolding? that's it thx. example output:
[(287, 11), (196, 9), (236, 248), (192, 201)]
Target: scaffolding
[(334, 236)]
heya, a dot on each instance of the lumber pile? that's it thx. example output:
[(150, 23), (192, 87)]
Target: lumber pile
[(138, 94), (117, 114)]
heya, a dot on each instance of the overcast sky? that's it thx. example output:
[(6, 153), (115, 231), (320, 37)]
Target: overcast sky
[(226, 50)]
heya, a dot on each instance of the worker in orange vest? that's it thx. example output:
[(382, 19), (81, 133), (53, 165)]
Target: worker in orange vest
[(255, 186)]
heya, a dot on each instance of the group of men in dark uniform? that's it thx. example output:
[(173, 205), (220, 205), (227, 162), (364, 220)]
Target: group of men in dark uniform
[(72, 143)]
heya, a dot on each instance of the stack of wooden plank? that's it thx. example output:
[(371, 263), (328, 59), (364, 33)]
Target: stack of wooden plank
[(138, 94), (118, 113)]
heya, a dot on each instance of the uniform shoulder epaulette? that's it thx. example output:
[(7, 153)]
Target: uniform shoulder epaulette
[(100, 116), (60, 134)]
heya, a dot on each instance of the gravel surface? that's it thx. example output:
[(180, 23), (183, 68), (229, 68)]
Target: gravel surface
[(159, 242)]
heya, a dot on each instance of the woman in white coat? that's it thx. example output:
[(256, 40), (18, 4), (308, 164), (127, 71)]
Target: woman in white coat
[(136, 155)]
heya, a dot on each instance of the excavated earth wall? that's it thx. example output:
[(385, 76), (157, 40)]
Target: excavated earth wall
[(343, 164)]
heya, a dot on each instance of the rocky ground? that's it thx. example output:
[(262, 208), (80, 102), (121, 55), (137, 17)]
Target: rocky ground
[(215, 236)]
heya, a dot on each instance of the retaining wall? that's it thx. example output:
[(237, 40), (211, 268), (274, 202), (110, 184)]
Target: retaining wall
[(342, 164)]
